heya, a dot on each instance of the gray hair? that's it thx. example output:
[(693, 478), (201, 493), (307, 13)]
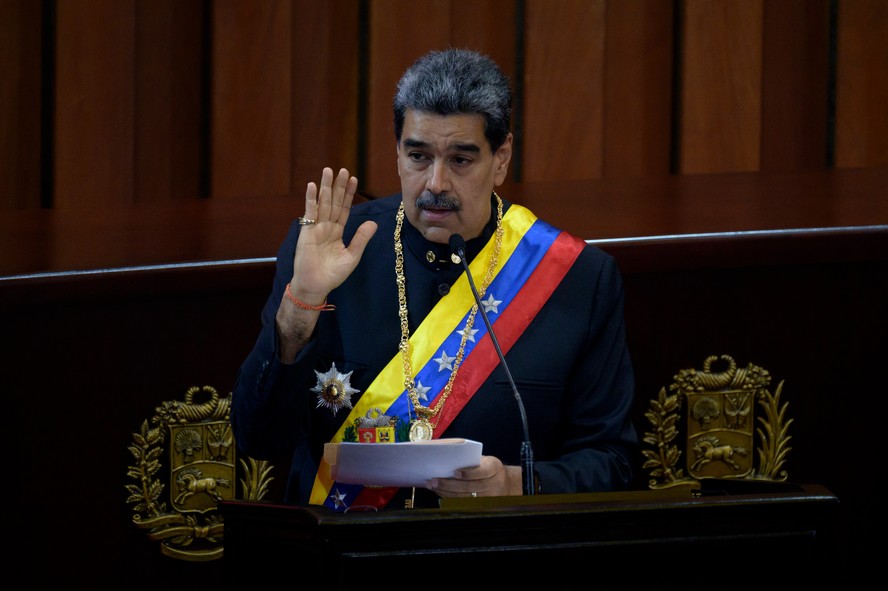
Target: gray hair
[(457, 82)]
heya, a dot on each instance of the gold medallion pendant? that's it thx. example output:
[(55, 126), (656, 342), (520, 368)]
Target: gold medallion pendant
[(421, 430)]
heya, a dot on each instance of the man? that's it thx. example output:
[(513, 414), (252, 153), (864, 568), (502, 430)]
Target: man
[(370, 318)]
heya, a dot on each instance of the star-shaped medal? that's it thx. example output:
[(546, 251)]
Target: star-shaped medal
[(334, 389)]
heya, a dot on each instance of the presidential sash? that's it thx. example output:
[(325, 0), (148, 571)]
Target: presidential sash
[(534, 258)]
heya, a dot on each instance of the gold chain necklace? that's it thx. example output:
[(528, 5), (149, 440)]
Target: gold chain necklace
[(421, 428)]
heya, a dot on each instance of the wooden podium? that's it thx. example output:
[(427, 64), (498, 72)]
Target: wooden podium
[(739, 535)]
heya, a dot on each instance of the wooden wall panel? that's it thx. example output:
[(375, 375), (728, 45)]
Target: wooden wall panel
[(564, 90), (94, 103), (795, 82), (638, 73), (324, 129), (251, 84), (400, 32), (164, 99), (720, 128), (491, 29), (20, 95), (862, 84), (169, 109)]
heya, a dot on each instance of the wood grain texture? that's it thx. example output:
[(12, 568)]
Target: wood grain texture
[(400, 32), (638, 68), (20, 95), (795, 79), (721, 86), (95, 103), (251, 99), (325, 101), (564, 90), (169, 105), (861, 84)]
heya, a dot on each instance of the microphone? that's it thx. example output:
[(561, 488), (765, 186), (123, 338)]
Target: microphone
[(458, 247)]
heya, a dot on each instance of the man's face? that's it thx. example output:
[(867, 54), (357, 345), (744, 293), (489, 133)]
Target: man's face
[(448, 173)]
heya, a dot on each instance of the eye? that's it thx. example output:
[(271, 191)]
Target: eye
[(416, 156), (461, 160)]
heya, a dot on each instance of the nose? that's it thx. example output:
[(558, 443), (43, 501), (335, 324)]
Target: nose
[(439, 178)]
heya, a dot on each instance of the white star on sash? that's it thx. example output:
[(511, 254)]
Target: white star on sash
[(338, 499), (445, 361), (421, 390), (490, 305), (470, 337)]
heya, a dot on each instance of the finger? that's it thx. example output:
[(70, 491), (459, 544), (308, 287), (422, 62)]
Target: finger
[(362, 236), (340, 184), (454, 487), (325, 195), (351, 188), (311, 201)]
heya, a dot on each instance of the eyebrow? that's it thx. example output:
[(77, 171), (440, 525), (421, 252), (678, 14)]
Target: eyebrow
[(469, 147)]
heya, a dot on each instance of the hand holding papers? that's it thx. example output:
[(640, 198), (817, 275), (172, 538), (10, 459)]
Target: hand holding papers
[(400, 464)]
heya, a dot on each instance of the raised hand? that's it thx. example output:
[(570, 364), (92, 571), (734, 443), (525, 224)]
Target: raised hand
[(323, 261)]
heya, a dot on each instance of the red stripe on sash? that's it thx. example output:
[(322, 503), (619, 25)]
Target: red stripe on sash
[(511, 324), (372, 496)]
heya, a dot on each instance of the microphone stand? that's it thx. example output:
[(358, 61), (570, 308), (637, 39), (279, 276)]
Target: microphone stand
[(528, 486)]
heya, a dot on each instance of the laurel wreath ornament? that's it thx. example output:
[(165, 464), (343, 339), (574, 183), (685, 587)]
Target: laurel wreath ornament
[(192, 536)]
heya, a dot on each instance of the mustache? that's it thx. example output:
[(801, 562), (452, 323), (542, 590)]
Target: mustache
[(430, 200)]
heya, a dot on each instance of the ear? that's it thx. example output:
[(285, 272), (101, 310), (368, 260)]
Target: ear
[(502, 157)]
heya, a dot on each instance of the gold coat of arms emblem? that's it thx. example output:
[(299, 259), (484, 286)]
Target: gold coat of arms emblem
[(719, 419), (185, 463)]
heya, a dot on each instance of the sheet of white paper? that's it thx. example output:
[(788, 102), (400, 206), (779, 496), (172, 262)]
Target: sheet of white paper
[(400, 464)]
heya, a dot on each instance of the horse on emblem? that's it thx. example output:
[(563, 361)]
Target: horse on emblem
[(709, 449), (191, 481)]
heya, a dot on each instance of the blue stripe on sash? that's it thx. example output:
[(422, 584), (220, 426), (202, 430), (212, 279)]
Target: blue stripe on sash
[(507, 283)]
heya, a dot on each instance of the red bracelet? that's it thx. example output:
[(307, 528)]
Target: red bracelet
[(324, 307)]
